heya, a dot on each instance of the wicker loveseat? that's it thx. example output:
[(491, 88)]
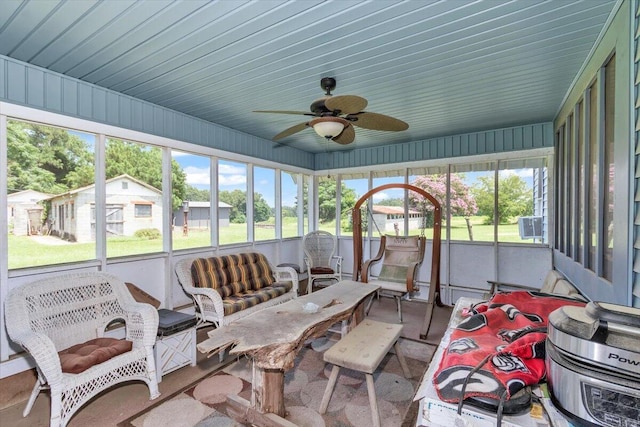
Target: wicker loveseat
[(61, 322), (227, 287)]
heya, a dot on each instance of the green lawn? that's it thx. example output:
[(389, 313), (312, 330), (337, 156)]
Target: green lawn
[(459, 231), (29, 251)]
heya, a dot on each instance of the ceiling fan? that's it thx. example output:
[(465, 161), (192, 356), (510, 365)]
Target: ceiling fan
[(335, 116)]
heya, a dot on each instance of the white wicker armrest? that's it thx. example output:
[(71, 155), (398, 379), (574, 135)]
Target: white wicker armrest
[(338, 260), (206, 297), (286, 274), (141, 323), (44, 352)]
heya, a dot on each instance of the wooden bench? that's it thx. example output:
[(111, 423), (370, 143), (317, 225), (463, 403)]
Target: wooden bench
[(362, 350)]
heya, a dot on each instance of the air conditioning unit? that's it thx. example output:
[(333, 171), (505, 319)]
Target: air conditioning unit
[(530, 227)]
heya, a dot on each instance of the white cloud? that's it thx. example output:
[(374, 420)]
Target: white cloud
[(227, 169), (522, 173), (231, 180), (380, 196), (197, 175), (231, 174)]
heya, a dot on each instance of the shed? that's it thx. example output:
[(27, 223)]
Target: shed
[(131, 205)]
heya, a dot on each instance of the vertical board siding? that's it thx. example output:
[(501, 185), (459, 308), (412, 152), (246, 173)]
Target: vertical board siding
[(16, 82), (636, 119), (35, 87), (39, 88), (487, 142), (53, 92)]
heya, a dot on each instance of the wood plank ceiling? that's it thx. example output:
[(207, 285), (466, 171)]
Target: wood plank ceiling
[(444, 67)]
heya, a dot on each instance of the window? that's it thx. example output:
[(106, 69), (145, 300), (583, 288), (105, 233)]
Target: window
[(580, 141), (593, 176), (472, 202), (264, 185), (522, 205), (388, 206), (142, 210), (587, 176), (232, 211), (608, 175), (50, 171), (289, 192), (434, 180), (191, 210), (133, 187), (568, 183), (351, 190), (326, 201)]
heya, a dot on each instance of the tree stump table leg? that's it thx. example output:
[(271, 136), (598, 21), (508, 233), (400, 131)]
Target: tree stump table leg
[(268, 391)]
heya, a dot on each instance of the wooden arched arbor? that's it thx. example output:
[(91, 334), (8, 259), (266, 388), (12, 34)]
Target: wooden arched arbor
[(434, 284)]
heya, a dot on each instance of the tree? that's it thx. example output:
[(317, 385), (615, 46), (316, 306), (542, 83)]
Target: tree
[(461, 200), (46, 159), (391, 202), (514, 198), (53, 160), (327, 200), (238, 201), (144, 162), (196, 195)]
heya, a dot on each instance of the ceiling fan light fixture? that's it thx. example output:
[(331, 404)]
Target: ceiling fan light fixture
[(328, 127)]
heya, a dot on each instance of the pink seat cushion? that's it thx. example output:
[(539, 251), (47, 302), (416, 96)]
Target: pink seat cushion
[(81, 357)]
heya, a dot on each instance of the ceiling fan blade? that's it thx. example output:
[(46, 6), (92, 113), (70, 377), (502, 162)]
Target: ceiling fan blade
[(346, 104), (375, 121), (290, 131), (347, 136), (304, 113)]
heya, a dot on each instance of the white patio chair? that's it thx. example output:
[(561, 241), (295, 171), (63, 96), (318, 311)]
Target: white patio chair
[(322, 262)]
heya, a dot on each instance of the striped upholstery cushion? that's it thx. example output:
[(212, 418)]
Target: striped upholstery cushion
[(232, 274), (240, 301)]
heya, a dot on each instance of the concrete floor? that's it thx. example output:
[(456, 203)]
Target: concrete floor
[(123, 401)]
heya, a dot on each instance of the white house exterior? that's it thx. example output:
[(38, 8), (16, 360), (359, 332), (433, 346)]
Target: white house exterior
[(131, 205), (390, 219), (24, 211)]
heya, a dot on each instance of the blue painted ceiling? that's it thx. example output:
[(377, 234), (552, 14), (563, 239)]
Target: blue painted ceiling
[(444, 67)]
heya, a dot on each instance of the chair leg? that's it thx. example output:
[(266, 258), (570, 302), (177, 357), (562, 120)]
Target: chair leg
[(371, 390), (398, 302), (369, 304), (329, 390), (37, 388), (402, 360)]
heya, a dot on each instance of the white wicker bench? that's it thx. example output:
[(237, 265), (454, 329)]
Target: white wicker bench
[(54, 315), (362, 350)]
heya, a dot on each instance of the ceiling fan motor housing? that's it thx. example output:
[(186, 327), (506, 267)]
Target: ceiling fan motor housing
[(328, 84), (319, 108)]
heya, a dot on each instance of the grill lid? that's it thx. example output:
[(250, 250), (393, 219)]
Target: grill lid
[(602, 334)]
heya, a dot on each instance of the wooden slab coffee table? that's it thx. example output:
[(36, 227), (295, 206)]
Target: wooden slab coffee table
[(273, 337)]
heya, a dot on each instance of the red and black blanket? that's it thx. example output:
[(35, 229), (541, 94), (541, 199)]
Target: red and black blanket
[(506, 335)]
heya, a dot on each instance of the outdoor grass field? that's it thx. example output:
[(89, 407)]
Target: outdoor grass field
[(30, 251)]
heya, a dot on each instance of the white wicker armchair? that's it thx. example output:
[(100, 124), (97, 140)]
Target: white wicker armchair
[(56, 313)]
